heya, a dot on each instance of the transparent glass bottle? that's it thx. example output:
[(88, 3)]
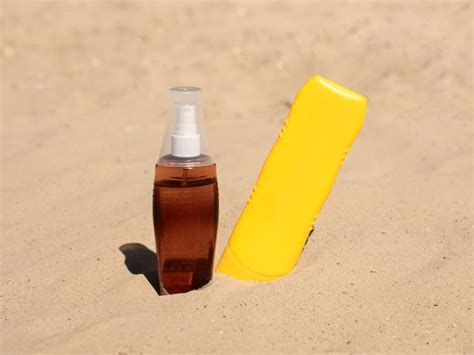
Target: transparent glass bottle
[(185, 198)]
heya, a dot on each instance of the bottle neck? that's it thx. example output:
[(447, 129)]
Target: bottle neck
[(172, 160), (186, 146)]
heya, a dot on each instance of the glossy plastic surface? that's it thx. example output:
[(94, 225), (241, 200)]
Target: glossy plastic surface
[(185, 216), (294, 182)]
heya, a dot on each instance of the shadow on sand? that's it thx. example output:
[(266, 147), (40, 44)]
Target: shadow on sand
[(141, 260)]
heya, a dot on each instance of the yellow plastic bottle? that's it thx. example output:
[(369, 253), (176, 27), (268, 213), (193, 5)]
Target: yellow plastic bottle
[(294, 182)]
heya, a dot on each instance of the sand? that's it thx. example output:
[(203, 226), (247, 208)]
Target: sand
[(389, 266)]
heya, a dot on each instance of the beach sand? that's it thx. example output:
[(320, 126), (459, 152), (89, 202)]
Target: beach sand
[(389, 265)]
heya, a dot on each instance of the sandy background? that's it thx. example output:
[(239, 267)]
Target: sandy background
[(389, 267)]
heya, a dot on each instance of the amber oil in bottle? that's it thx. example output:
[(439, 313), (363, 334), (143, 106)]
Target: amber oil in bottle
[(185, 201)]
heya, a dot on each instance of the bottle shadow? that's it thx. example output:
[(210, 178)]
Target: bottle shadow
[(141, 260)]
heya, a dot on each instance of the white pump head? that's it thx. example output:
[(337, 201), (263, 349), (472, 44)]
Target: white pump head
[(185, 139)]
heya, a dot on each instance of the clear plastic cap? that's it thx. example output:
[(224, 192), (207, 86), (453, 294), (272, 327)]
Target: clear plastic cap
[(184, 136)]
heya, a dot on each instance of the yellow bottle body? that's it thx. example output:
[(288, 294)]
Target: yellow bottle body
[(294, 182)]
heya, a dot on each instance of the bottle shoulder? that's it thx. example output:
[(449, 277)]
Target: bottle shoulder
[(174, 161), (189, 175)]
